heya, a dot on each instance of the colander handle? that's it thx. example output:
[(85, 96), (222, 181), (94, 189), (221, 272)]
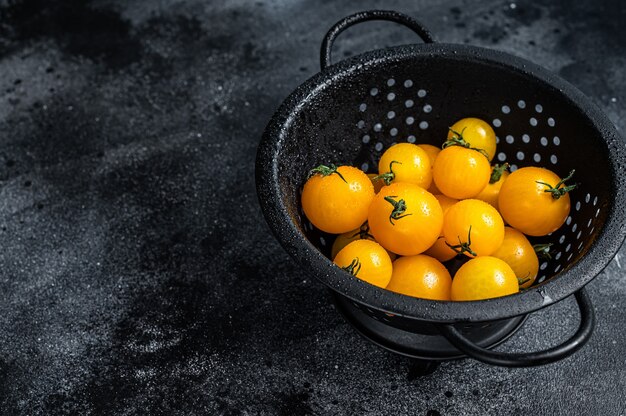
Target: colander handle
[(388, 15), (587, 322)]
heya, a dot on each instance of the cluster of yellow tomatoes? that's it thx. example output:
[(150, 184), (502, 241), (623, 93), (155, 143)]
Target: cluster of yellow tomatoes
[(428, 205)]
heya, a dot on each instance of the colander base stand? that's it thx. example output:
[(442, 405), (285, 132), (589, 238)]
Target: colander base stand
[(420, 346)]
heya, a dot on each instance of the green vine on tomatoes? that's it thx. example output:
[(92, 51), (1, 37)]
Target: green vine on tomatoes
[(543, 250), (399, 208), (326, 171), (387, 177), (497, 172), (464, 247), (354, 267), (521, 281), (458, 140), (557, 191), (364, 232)]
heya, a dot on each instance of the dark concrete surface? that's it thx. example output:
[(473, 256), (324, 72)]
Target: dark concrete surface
[(137, 275)]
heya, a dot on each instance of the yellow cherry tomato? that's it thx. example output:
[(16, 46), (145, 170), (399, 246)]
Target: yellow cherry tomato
[(362, 233), (378, 183), (446, 202), (483, 278), (432, 152), (337, 199), (461, 173), (517, 252), (535, 200), (366, 260), (406, 162), (473, 227), (420, 276), (440, 249), (405, 218), (490, 193), (475, 132)]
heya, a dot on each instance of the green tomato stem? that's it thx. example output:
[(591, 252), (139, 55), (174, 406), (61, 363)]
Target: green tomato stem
[(354, 267), (458, 140), (399, 208), (557, 191), (364, 232), (497, 172), (543, 250), (464, 247), (326, 171), (387, 177)]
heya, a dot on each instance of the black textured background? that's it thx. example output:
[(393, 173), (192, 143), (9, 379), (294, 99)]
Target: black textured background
[(136, 272)]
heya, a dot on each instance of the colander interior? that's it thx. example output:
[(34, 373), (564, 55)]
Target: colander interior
[(352, 118)]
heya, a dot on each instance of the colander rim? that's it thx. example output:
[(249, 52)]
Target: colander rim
[(598, 256)]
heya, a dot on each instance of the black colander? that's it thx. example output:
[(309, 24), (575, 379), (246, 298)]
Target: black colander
[(352, 111)]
